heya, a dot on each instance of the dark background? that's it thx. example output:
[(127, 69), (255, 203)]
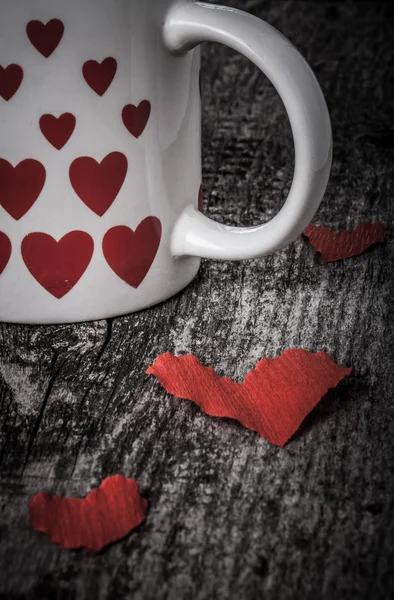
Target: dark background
[(231, 516)]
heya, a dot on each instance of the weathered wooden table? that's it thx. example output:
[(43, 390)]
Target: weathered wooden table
[(230, 515)]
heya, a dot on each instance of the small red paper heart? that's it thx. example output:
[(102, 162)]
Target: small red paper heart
[(5, 251), (136, 118), (129, 253), (106, 515), (99, 76), (98, 184), (10, 80), (338, 246), (20, 186), (57, 266), (274, 398), (45, 37), (58, 130)]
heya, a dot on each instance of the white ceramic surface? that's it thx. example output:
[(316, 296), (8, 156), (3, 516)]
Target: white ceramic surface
[(123, 168)]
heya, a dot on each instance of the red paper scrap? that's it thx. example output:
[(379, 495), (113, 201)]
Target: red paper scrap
[(274, 398), (338, 246), (106, 515)]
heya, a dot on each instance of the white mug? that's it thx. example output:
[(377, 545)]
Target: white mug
[(100, 168)]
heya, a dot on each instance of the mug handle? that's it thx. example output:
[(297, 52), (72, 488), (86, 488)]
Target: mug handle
[(187, 24)]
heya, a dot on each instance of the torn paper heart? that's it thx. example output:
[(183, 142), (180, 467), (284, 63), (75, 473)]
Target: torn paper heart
[(274, 398), (106, 515), (338, 246)]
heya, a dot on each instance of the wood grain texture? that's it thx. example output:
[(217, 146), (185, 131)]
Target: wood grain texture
[(231, 517)]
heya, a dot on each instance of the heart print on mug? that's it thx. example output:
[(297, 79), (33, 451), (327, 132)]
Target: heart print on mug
[(58, 265), (100, 152)]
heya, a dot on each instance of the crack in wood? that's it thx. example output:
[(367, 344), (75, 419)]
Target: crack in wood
[(52, 381)]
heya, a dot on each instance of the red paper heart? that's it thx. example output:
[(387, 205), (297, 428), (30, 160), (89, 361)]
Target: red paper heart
[(136, 118), (10, 80), (106, 515), (5, 251), (129, 253), (98, 184), (57, 266), (58, 130), (274, 398), (99, 76), (336, 246), (20, 186), (45, 37)]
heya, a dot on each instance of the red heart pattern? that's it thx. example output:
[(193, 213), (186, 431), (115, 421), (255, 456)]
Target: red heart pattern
[(135, 118), (20, 186), (58, 130), (45, 37), (57, 266), (99, 76), (10, 80), (5, 251), (129, 253), (98, 184)]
